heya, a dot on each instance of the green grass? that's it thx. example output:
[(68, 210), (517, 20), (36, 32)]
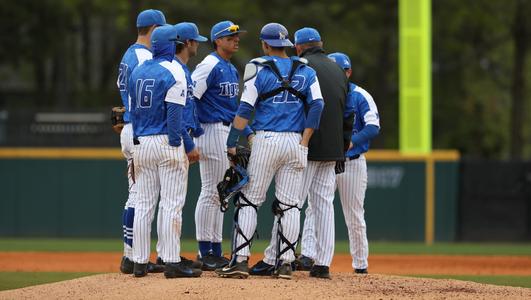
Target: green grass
[(506, 280), (115, 245), (16, 280)]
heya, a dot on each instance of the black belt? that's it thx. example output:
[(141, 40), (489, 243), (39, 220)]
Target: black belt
[(225, 123), (353, 157), (136, 141)]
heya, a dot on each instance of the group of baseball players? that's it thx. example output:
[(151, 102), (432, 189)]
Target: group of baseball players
[(306, 125)]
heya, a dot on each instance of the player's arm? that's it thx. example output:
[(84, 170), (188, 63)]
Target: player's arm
[(349, 116), (202, 77), (175, 101), (315, 102), (370, 120)]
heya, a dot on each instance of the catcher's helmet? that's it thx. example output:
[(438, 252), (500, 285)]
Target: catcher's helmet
[(275, 35)]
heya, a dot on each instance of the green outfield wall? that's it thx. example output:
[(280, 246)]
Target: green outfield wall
[(83, 196)]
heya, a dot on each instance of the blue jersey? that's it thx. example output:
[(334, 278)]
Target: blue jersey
[(283, 112), (151, 85), (135, 55), (365, 112), (190, 120), (216, 86)]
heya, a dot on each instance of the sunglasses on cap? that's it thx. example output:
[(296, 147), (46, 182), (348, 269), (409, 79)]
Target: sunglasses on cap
[(231, 28)]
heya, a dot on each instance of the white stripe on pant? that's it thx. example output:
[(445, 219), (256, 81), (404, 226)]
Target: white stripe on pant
[(279, 155), (160, 169), (318, 185), (212, 167), (126, 141)]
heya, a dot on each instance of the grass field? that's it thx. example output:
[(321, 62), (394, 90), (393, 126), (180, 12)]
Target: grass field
[(12, 280)]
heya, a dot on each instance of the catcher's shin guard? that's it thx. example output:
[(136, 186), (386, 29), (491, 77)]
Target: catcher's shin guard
[(239, 202), (281, 238)]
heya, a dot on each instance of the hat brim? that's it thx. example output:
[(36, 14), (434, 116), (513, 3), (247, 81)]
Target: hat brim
[(200, 38), (230, 33), (279, 43)]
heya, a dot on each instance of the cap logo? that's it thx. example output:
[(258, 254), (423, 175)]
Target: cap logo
[(281, 36)]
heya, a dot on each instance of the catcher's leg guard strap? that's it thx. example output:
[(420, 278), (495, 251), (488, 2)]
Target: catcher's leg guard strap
[(239, 202), (281, 238)]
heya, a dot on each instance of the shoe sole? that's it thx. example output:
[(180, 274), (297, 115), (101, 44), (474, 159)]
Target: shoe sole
[(260, 274), (235, 274), (288, 277), (140, 275)]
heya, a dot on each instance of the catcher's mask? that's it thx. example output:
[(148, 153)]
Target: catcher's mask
[(234, 180)]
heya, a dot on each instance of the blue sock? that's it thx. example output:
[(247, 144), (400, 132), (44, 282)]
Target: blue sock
[(129, 226), (124, 224), (204, 248), (216, 248)]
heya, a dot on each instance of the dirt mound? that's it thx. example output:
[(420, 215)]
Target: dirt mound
[(209, 286)]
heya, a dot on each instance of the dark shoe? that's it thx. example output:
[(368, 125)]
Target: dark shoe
[(127, 266), (180, 269), (210, 262), (304, 263), (140, 270), (284, 271), (193, 264), (154, 268), (320, 272), (361, 271), (236, 270), (262, 268)]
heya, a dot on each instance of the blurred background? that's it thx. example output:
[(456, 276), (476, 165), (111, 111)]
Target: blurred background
[(58, 68)]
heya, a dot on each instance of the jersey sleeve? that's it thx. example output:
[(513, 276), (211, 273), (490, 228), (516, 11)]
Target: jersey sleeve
[(177, 84), (314, 89), (202, 76), (142, 55), (367, 108)]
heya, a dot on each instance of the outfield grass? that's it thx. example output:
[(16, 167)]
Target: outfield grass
[(115, 245), (506, 280), (16, 280)]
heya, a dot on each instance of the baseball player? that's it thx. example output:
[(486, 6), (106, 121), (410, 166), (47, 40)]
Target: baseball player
[(216, 86), (135, 55), (188, 35), (353, 182), (277, 88), (326, 147), (157, 90)]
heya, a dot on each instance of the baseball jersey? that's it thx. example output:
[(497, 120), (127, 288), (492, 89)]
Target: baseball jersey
[(216, 85), (151, 85), (360, 102), (190, 120), (135, 55), (283, 112)]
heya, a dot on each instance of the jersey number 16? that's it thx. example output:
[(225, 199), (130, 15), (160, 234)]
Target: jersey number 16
[(144, 92)]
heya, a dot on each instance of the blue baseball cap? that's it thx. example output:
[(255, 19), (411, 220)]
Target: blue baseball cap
[(341, 59), (188, 31), (163, 35), (307, 35), (275, 35), (224, 28), (150, 17)]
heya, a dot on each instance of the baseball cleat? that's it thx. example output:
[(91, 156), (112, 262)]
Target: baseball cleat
[(320, 272), (140, 270), (304, 263), (283, 272), (191, 263), (361, 271), (127, 265), (237, 270), (181, 269), (262, 268), (210, 262), (154, 268)]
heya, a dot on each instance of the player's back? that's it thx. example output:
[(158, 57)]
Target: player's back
[(365, 111), (135, 55), (149, 84), (283, 112)]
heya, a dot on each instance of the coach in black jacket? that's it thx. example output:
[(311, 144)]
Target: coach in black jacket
[(325, 148)]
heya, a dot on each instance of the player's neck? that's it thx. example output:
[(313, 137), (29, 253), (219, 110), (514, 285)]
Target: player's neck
[(224, 54), (144, 40), (183, 57), (281, 54)]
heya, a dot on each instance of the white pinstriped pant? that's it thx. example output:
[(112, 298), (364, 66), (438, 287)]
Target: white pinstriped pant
[(160, 169), (352, 185), (126, 142), (318, 185), (212, 167), (277, 154)]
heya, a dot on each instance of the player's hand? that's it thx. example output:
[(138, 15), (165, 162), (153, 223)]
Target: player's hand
[(304, 143), (250, 139), (193, 155), (350, 146)]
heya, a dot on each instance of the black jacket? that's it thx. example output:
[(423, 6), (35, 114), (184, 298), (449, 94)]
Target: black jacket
[(327, 142)]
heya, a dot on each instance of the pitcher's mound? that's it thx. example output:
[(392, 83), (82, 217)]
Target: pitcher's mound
[(209, 286)]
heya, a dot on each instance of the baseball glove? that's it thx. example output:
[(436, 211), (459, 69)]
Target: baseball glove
[(117, 118), (241, 157), (234, 179)]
